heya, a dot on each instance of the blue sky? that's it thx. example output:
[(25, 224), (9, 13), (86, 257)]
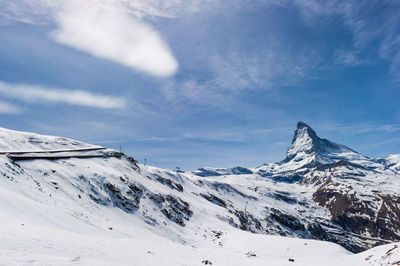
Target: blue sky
[(203, 83)]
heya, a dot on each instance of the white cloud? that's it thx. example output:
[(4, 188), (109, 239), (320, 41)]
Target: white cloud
[(112, 34), (105, 29), (37, 94), (9, 108)]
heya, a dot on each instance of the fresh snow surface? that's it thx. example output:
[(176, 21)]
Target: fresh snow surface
[(393, 161), (34, 233), (11, 140)]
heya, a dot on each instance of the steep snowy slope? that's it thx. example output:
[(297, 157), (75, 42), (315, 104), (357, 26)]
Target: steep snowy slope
[(308, 150), (11, 140), (74, 197), (307, 147), (393, 162)]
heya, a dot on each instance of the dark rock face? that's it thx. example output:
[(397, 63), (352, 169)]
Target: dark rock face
[(205, 172), (129, 201), (388, 221), (283, 178), (171, 184), (285, 197), (241, 171), (214, 199), (248, 222), (174, 208), (356, 215), (287, 220), (318, 232)]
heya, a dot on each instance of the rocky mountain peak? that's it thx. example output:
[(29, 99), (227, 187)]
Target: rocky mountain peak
[(301, 125), (307, 145), (304, 131), (305, 140)]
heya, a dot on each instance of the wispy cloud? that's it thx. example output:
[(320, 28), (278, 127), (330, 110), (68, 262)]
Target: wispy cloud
[(347, 57), (267, 68), (44, 11), (367, 26), (28, 11), (38, 94), (9, 108), (114, 35)]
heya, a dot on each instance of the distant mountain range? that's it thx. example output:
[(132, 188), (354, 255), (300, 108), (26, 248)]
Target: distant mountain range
[(321, 190)]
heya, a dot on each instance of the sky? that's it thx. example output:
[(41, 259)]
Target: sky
[(196, 83)]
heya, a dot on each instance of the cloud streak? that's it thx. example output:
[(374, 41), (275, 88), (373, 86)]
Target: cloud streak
[(112, 34), (44, 11), (367, 23), (37, 94), (9, 108)]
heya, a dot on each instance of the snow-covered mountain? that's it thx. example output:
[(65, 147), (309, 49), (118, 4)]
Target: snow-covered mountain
[(308, 148), (392, 162), (68, 202), (360, 194)]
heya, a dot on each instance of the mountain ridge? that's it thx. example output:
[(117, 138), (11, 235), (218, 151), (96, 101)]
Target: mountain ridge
[(349, 199), (307, 146)]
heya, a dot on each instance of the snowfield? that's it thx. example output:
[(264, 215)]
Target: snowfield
[(106, 209), (38, 234)]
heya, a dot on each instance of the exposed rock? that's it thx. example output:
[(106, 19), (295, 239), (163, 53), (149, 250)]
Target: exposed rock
[(287, 220), (174, 208), (214, 199), (170, 183)]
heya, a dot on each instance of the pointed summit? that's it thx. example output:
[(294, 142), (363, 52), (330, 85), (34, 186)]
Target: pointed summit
[(304, 129), (307, 146), (305, 140), (301, 124)]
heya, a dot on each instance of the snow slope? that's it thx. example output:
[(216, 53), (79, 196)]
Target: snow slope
[(393, 162), (46, 235), (106, 209), (11, 140)]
